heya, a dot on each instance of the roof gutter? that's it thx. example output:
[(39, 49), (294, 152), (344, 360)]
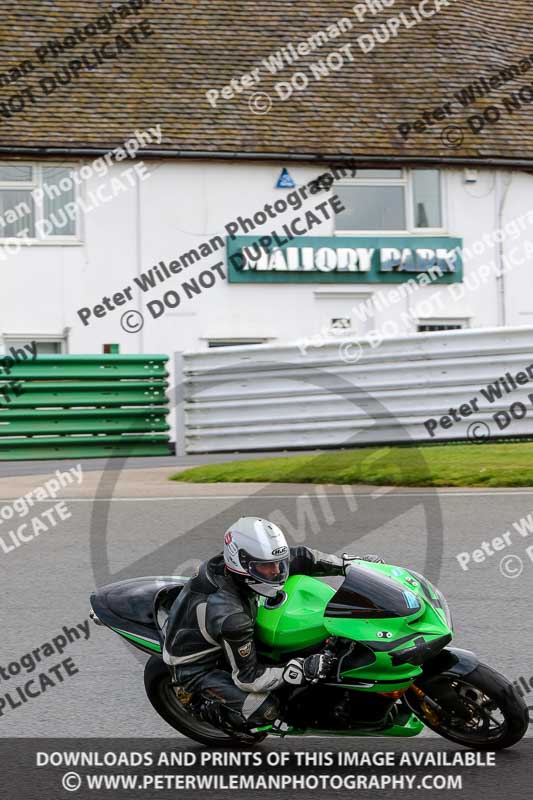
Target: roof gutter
[(523, 163)]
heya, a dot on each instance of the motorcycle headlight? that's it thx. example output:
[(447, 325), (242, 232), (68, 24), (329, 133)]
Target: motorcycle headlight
[(432, 594)]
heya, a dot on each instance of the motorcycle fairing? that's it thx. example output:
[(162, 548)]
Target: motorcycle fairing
[(407, 624)]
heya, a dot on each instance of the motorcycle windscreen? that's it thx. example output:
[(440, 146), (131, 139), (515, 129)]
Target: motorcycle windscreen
[(367, 593)]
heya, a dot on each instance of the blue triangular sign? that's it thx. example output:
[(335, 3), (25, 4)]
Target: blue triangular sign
[(285, 181)]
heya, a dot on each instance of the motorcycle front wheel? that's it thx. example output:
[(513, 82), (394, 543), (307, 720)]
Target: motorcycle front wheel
[(481, 710)]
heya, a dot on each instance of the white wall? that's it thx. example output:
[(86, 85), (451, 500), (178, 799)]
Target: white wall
[(182, 204)]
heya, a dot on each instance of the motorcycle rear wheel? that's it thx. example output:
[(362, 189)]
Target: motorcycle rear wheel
[(162, 696), (483, 710)]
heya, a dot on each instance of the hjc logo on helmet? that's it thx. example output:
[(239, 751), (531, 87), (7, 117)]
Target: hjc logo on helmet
[(281, 551)]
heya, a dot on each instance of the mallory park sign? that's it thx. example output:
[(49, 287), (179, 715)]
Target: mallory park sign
[(345, 259)]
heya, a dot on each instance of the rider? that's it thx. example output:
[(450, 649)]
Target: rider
[(215, 613)]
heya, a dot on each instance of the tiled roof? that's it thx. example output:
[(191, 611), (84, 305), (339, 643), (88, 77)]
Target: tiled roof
[(196, 46)]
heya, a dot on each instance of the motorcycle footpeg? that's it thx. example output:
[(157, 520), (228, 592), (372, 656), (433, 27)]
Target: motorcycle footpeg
[(184, 697)]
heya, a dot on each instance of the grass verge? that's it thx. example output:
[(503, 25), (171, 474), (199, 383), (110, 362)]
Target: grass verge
[(478, 465)]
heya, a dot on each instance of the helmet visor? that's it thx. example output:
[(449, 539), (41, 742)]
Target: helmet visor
[(273, 572)]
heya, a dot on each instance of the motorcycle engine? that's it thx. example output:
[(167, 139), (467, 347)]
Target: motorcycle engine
[(332, 708)]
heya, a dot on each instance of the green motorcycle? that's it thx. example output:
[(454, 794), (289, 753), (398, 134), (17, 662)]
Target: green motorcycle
[(387, 631)]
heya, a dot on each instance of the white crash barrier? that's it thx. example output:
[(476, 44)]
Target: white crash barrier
[(467, 384)]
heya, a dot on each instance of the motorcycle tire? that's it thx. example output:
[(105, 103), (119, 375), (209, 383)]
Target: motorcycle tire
[(162, 696), (468, 693)]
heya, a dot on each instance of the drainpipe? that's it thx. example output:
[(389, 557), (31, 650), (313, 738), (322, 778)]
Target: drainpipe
[(138, 252), (501, 197)]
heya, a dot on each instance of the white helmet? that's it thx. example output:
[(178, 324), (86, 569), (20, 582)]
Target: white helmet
[(257, 550)]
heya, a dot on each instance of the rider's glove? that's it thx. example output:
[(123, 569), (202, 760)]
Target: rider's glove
[(348, 559), (317, 667), (294, 672), (307, 670)]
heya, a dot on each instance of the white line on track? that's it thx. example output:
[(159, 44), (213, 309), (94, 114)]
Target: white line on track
[(258, 495)]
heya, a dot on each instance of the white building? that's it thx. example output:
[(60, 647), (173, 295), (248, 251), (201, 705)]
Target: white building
[(57, 274), (436, 126)]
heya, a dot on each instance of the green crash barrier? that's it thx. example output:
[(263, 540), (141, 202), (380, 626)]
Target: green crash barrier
[(81, 393), (70, 406)]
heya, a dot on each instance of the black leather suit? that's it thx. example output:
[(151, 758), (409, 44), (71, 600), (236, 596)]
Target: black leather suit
[(214, 615)]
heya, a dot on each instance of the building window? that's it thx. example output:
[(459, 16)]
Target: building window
[(49, 348), (233, 342), (34, 202), (46, 345), (450, 325), (391, 201), (427, 202), (340, 325)]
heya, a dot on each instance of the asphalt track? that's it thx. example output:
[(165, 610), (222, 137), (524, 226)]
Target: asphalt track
[(11, 468), (46, 582), (151, 526)]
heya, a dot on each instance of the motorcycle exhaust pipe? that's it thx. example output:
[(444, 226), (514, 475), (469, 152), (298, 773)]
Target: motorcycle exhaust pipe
[(95, 619)]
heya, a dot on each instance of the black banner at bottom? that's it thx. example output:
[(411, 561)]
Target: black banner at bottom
[(276, 769)]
